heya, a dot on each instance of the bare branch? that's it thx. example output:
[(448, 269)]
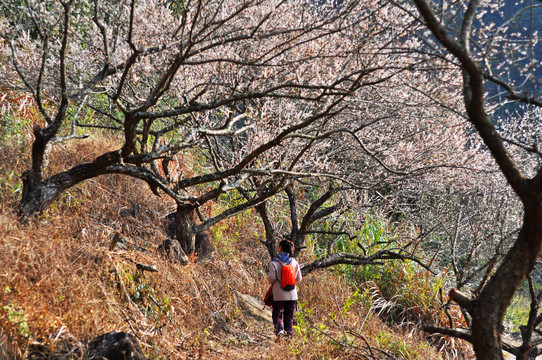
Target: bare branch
[(457, 332), (258, 151), (357, 259), (461, 298), (40, 80)]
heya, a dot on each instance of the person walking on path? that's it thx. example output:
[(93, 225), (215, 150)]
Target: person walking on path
[(284, 301)]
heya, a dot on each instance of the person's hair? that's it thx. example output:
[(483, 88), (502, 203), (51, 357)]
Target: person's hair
[(287, 246)]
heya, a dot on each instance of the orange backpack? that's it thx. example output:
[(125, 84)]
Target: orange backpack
[(288, 277)]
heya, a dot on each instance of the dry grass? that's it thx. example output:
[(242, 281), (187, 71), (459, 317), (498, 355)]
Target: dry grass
[(61, 285)]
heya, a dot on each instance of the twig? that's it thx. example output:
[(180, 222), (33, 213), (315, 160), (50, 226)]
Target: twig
[(343, 344)]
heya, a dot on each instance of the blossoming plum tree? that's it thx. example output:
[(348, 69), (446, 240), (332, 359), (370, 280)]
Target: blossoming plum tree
[(496, 47), (237, 83)]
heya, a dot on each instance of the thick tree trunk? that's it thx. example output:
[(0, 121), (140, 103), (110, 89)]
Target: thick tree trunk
[(185, 221), (270, 241), (38, 193), (490, 306)]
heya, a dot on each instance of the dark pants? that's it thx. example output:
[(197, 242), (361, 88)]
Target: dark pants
[(283, 316)]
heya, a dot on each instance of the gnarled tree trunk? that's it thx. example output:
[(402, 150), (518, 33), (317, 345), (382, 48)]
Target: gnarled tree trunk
[(489, 308), (185, 221), (38, 193)]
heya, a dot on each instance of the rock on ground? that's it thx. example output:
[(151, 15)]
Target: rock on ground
[(254, 307), (115, 346)]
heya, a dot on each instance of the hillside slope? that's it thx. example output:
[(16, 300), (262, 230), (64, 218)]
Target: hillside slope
[(61, 283)]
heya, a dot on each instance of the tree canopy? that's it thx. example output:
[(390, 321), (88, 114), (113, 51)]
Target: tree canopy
[(427, 112)]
